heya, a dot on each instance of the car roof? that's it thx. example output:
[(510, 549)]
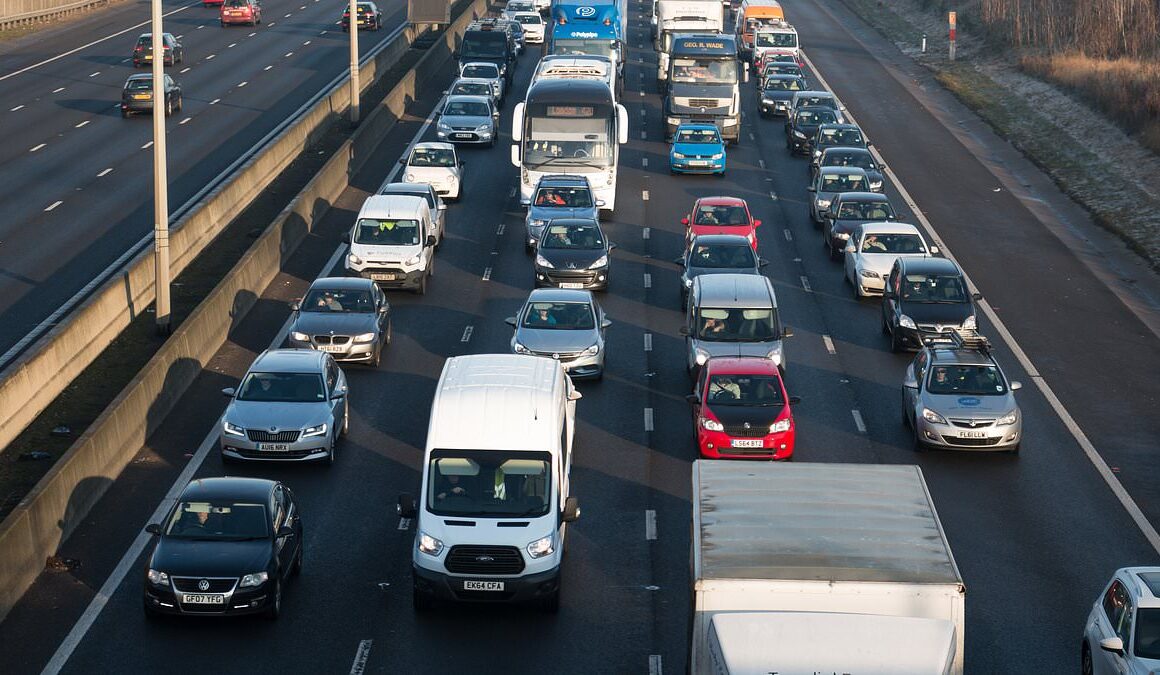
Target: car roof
[(889, 228), (957, 356), (344, 283), (434, 145), (721, 240), (569, 90), (560, 295), (720, 201), (471, 80), (393, 206), (289, 360), (470, 98), (413, 189), (835, 125), (565, 180), (847, 149), (841, 170), (864, 197), (140, 76), (734, 290), (942, 266), (481, 63), (696, 125), (574, 222), (1146, 584), (228, 487), (813, 92)]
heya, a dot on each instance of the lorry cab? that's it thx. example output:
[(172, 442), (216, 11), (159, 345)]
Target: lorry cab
[(752, 15), (733, 315), (494, 504), (393, 242)]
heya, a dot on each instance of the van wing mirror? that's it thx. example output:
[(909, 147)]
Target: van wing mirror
[(786, 332), (406, 506), (684, 330), (571, 512), (430, 240), (575, 395)]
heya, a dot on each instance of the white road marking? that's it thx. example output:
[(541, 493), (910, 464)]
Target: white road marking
[(650, 524), (252, 34), (147, 145), (16, 108), (487, 274), (648, 419), (215, 101), (53, 205), (751, 136), (184, 121), (127, 60), (643, 135), (94, 74), (37, 147), (644, 162), (200, 27), (58, 90), (288, 55), (643, 112), (285, 17), (829, 344), (642, 94), (81, 124), (644, 195), (404, 524), (761, 163), (806, 285), (106, 172), (858, 421), (511, 193), (467, 334), (232, 45), (243, 84), (270, 25), (644, 232), (773, 196), (267, 67), (499, 230), (186, 69), (647, 280), (654, 665), (788, 235), (210, 57), (360, 657), (648, 342), (306, 43)]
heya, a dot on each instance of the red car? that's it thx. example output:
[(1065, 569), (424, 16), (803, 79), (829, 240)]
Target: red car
[(720, 215), (248, 12), (741, 410)]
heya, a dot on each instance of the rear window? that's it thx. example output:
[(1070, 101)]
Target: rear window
[(140, 85)]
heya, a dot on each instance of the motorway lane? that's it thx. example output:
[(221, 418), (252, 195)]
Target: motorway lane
[(77, 176), (1035, 535)]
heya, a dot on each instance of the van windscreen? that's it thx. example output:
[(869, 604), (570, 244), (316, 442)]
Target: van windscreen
[(489, 483)]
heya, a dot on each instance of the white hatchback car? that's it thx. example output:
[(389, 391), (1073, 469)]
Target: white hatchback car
[(484, 70), (872, 249), (1122, 634), (437, 164), (533, 25)]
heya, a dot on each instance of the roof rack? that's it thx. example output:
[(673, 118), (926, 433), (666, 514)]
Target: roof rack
[(970, 339)]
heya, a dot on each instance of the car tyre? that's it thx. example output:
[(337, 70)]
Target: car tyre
[(331, 455), (275, 608), (421, 289), (1085, 660), (124, 114), (180, 103), (916, 440), (895, 344), (1013, 450)]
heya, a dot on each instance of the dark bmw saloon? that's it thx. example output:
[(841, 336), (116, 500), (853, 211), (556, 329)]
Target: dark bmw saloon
[(228, 546)]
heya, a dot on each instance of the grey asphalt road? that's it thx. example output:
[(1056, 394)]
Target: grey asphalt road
[(77, 179), (1035, 535)]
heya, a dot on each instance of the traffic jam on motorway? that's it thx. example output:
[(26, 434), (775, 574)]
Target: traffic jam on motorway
[(494, 505)]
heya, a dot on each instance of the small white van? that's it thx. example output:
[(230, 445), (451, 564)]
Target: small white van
[(393, 242), (494, 504)]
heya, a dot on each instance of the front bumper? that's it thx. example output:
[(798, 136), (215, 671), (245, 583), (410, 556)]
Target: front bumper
[(870, 285), (580, 366), (166, 600), (525, 588), (582, 279), (689, 165), (311, 449), (955, 437), (773, 107), (392, 277), (720, 445), (471, 137), (730, 127), (341, 347)]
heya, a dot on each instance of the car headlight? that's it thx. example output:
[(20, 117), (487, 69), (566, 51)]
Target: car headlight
[(413, 260), (543, 262), (519, 348), (702, 357), (300, 337), (255, 579), (602, 261), (907, 322), (774, 355), (543, 546), (443, 126), (780, 426), (230, 429), (317, 430), (410, 178), (719, 155), (591, 351), (870, 274), (712, 425), (538, 222), (365, 337), (798, 134), (823, 203), (1008, 419), (933, 417), (843, 235), (688, 283), (767, 101), (354, 259), (970, 323), (429, 545), (483, 127), (157, 578), (875, 186), (677, 155)]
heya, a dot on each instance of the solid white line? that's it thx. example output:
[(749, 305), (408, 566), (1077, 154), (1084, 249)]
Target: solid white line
[(37, 147), (106, 172), (360, 657), (58, 90), (788, 235), (648, 419), (53, 205), (487, 274), (647, 280), (243, 84), (186, 70), (829, 344), (1089, 449), (81, 124), (467, 334), (858, 421), (644, 232), (806, 285), (650, 524), (129, 560), (654, 665), (648, 342), (147, 145), (16, 108), (644, 195), (414, 139)]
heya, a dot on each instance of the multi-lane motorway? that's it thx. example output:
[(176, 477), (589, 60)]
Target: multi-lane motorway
[(1035, 535), (77, 185)]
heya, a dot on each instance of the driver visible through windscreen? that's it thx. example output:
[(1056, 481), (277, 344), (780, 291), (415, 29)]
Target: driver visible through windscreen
[(284, 387), (559, 316), (933, 289), (218, 521), (737, 325), (376, 232), (489, 483)]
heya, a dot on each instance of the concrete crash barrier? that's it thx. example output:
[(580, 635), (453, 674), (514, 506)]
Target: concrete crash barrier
[(62, 499), (15, 13), (41, 373)]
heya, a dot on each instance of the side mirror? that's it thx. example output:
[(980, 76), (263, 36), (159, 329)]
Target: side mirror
[(511, 321), (693, 399), (338, 394), (762, 262), (295, 306), (680, 261), (403, 162), (515, 154), (285, 531), (605, 323), (786, 332), (685, 221), (934, 250), (384, 308), (462, 164), (229, 392), (571, 511), (406, 506), (850, 248), (455, 54), (811, 189), (745, 76), (684, 330), (153, 528), (794, 400), (908, 380), (600, 203), (757, 223), (611, 245), (442, 205), (1016, 385), (976, 296), (1114, 645), (430, 240)]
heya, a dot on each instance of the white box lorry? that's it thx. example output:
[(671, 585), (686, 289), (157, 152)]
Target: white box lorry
[(800, 569)]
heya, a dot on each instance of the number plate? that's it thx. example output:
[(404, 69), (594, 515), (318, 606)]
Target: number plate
[(698, 162), (571, 284), (747, 443), (333, 349), (972, 434), (464, 136), (274, 447), (483, 585), (382, 277), (204, 599)]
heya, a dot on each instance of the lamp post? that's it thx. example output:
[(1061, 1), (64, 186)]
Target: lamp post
[(354, 88), (160, 178)]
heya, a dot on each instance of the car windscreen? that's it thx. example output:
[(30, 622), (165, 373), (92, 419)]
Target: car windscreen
[(432, 157), (237, 3), (776, 40), (932, 288), (704, 71), (697, 136), (483, 483), (472, 89), (744, 390), (478, 46), (784, 85), (341, 300), (735, 324), (467, 109), (564, 197), (861, 160), (1146, 643), (572, 237), (218, 520), (282, 387), (842, 182), (559, 316), (721, 214), (487, 72), (816, 116), (849, 137), (975, 380), (722, 256), (854, 210), (529, 19), (898, 244), (385, 232)]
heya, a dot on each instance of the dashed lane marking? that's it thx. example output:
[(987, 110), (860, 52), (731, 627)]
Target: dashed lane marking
[(215, 101), (806, 285), (645, 232), (243, 84), (78, 125), (58, 90), (858, 421), (648, 419), (16, 108), (232, 45), (644, 162), (95, 74), (288, 55), (648, 342), (829, 344), (37, 147), (467, 334), (650, 524), (360, 657), (761, 163), (654, 665), (487, 274), (184, 121), (647, 280), (186, 69), (788, 235), (267, 67), (53, 205), (106, 172), (147, 145), (210, 57), (644, 195), (499, 230)]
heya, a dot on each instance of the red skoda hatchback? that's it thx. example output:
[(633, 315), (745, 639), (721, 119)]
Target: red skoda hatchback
[(720, 215), (741, 410)]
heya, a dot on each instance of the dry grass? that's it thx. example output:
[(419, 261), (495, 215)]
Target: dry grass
[(1126, 90)]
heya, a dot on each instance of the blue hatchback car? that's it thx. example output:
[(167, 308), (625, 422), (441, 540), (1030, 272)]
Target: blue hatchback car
[(697, 148)]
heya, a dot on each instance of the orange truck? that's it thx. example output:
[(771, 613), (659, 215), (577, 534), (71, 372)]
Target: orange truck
[(754, 14)]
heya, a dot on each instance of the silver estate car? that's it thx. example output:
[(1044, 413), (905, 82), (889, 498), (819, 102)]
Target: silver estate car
[(831, 181), (347, 317), (566, 325), (291, 406), (956, 396), (468, 119), (732, 315)]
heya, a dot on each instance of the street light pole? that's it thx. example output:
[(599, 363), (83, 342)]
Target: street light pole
[(354, 87), (160, 177)]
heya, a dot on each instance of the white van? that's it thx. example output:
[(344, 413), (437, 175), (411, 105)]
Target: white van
[(494, 504), (393, 242)]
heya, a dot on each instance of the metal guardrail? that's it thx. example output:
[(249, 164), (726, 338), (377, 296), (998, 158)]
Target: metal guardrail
[(17, 12)]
